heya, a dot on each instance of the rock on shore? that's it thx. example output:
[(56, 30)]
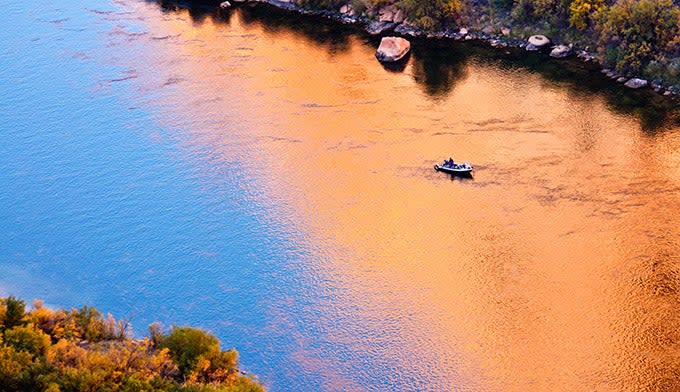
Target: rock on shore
[(537, 42), (392, 49), (636, 83), (391, 14), (560, 51)]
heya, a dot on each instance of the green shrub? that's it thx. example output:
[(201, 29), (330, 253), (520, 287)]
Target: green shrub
[(12, 365), (640, 30), (187, 344), (27, 338), (15, 310), (582, 13), (430, 14)]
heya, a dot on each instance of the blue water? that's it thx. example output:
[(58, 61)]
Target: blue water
[(95, 211)]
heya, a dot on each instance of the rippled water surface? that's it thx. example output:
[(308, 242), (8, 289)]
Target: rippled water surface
[(262, 176)]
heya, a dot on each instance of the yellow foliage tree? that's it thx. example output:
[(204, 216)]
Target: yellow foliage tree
[(581, 12)]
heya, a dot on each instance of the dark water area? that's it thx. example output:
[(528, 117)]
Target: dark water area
[(259, 174)]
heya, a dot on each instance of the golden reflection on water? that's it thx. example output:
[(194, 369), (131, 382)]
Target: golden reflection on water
[(555, 268)]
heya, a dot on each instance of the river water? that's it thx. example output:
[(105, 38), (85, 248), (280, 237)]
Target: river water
[(260, 175)]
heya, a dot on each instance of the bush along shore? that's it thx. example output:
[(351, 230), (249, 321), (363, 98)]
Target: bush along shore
[(635, 42), (81, 350)]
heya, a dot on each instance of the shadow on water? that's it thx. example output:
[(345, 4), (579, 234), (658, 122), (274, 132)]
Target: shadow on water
[(397, 66), (334, 37), (581, 80), (438, 71), (198, 10), (438, 65)]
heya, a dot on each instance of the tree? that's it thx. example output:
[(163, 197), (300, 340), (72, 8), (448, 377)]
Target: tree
[(187, 345), (12, 365), (553, 11), (27, 338), (582, 13), (636, 32), (428, 14), (15, 310), (156, 334)]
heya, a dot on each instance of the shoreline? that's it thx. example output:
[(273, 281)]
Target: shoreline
[(376, 28)]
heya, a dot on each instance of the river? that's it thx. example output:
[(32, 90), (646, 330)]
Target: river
[(260, 175)]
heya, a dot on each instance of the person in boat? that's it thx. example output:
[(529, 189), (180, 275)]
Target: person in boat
[(451, 163)]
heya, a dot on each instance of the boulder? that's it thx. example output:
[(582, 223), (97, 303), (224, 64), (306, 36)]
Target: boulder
[(636, 83), (560, 51), (347, 9), (505, 31), (496, 43), (539, 41), (399, 16), (386, 14), (621, 79), (225, 5), (585, 56), (392, 49), (463, 31), (391, 14)]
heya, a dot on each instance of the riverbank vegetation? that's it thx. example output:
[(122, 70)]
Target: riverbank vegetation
[(81, 350), (636, 37)]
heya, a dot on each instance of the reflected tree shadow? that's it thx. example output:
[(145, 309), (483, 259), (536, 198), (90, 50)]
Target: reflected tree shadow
[(438, 68), (330, 35), (333, 36), (199, 10), (584, 80)]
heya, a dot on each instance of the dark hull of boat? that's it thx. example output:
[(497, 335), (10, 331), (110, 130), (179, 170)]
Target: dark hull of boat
[(467, 172)]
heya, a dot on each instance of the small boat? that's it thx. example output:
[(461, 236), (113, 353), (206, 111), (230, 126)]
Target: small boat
[(464, 169)]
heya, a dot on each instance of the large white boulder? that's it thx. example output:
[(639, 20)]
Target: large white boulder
[(392, 49), (539, 41)]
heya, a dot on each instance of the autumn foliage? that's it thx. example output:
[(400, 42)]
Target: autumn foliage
[(81, 350)]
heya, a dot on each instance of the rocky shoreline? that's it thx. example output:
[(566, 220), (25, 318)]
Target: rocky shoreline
[(391, 20)]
